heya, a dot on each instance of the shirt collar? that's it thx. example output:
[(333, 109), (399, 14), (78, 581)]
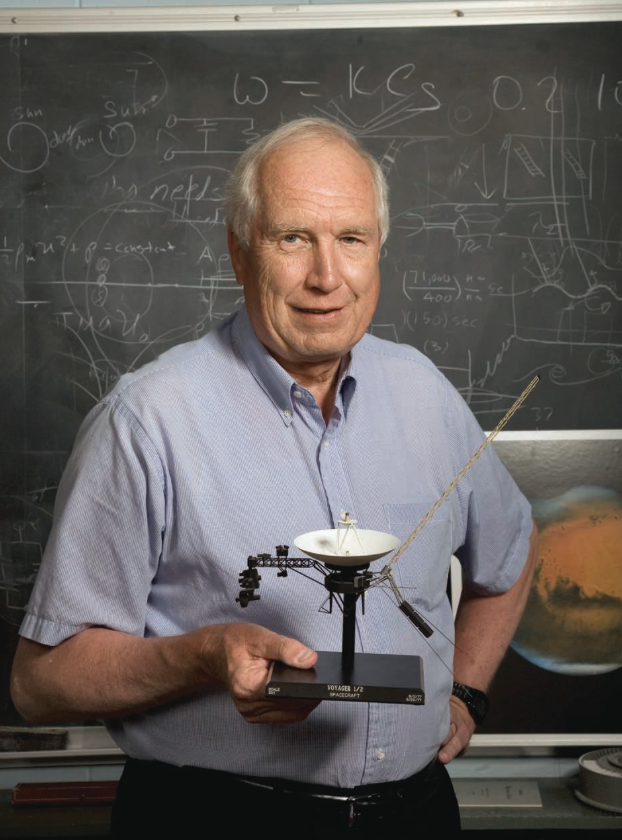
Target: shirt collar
[(275, 380), (347, 379)]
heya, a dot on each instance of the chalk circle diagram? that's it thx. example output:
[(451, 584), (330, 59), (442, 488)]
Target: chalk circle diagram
[(98, 142), (124, 272), (469, 113)]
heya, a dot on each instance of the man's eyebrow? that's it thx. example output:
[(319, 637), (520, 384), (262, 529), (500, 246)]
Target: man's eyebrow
[(275, 228), (358, 230)]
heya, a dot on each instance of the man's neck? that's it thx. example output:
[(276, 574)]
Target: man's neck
[(321, 379)]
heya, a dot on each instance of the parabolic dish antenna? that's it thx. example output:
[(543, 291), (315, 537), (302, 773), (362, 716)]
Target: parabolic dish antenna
[(346, 547)]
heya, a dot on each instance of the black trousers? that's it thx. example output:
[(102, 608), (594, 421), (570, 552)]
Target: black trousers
[(189, 802)]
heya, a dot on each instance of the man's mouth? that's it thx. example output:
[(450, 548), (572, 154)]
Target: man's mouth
[(318, 311)]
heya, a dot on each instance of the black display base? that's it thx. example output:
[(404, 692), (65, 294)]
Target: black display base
[(374, 678)]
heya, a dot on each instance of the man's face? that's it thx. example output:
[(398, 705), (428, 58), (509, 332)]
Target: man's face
[(310, 273)]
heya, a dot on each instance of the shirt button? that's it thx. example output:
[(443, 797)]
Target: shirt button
[(326, 444), (287, 412), (298, 394), (380, 755)]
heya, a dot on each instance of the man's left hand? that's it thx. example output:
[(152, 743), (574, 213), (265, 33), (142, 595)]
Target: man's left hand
[(461, 727)]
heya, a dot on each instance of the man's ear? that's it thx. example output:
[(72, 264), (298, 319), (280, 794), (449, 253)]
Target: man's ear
[(238, 256)]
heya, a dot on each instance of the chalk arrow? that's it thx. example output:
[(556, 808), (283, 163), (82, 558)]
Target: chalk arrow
[(484, 192)]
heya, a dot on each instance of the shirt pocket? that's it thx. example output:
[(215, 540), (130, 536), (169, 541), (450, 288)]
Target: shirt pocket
[(421, 572)]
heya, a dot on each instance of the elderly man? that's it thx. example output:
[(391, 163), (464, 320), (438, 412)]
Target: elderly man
[(263, 430)]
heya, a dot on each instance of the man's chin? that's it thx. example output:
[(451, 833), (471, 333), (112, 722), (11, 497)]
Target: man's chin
[(311, 354)]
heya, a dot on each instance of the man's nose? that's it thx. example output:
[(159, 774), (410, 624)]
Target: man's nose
[(324, 271)]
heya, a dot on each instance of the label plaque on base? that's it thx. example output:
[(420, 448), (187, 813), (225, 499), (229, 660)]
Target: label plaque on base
[(373, 678)]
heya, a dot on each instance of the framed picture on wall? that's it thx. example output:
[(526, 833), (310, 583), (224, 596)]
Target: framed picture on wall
[(563, 672)]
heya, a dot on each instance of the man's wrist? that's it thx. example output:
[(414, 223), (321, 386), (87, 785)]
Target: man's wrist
[(475, 700)]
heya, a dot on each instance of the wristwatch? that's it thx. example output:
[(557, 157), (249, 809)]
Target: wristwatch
[(475, 700)]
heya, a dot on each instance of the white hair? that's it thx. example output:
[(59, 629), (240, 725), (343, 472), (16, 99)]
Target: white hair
[(242, 198)]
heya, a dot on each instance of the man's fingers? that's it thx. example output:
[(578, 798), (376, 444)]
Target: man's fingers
[(452, 731), (243, 653), (249, 672), (265, 644), (294, 653), (274, 711), (461, 728)]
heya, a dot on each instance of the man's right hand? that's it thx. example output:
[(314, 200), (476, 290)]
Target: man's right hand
[(103, 673), (240, 656)]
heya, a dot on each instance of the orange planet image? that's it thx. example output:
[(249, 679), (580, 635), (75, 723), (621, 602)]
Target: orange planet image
[(573, 620)]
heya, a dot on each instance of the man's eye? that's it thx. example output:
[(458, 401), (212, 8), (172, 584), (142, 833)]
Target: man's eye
[(350, 240), (291, 238)]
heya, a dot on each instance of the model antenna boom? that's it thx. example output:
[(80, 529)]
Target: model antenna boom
[(386, 572)]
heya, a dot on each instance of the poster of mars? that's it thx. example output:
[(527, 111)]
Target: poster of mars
[(563, 672)]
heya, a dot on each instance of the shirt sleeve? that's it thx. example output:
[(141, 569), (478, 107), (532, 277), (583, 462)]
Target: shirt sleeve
[(495, 515), (106, 540)]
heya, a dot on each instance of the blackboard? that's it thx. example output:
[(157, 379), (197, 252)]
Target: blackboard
[(503, 150)]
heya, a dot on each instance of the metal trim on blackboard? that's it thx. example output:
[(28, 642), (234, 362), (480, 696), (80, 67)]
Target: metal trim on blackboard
[(337, 16)]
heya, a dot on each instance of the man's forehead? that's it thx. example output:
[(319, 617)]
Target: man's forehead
[(316, 174)]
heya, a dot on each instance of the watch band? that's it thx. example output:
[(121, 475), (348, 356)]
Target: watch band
[(475, 700)]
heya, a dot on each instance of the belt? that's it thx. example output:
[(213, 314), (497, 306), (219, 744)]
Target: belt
[(363, 802), (383, 790)]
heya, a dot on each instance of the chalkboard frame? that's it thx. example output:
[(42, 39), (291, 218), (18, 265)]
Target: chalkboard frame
[(334, 16)]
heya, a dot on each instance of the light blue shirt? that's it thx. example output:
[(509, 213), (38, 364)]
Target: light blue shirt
[(213, 452)]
